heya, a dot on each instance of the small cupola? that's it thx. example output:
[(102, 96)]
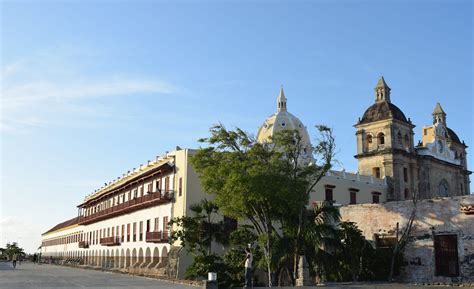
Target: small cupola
[(281, 101), (382, 91), (439, 116)]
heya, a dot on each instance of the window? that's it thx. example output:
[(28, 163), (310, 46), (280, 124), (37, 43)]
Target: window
[(150, 187), (123, 233), (353, 197), (446, 255), (369, 139), (375, 197), (399, 139), (167, 184), (165, 224), (141, 191), (381, 138), (140, 236), (148, 225), (329, 193), (376, 172), (128, 232), (157, 185), (157, 224), (134, 232), (407, 141), (180, 187), (405, 175)]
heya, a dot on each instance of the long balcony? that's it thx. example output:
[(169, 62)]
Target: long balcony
[(157, 237), (148, 200), (83, 244), (110, 241)]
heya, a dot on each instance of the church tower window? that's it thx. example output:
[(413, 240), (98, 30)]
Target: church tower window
[(381, 138), (369, 139)]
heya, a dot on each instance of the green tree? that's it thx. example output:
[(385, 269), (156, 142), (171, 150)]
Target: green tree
[(301, 180), (266, 183), (12, 248), (248, 181)]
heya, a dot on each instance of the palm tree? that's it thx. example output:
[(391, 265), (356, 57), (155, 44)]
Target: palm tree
[(319, 235), (208, 229), (12, 248)]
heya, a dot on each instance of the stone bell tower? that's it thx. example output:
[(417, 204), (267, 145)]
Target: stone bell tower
[(385, 147)]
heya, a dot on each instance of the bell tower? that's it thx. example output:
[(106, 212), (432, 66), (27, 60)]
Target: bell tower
[(385, 146)]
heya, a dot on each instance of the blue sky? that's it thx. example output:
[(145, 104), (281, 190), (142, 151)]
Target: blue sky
[(91, 89)]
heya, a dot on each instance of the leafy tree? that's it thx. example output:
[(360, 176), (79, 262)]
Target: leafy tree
[(302, 178), (266, 183), (247, 180), (12, 248)]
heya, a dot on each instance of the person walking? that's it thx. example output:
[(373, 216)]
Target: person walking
[(14, 259), (248, 268), (35, 257)]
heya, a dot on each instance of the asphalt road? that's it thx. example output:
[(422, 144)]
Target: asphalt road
[(29, 276)]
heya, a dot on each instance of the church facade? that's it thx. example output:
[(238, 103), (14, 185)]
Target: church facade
[(434, 167)]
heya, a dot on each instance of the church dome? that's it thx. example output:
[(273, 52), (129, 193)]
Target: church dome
[(382, 110), (453, 136), (282, 120)]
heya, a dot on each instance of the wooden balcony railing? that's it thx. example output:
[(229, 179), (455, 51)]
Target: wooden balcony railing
[(148, 200), (157, 237), (83, 244), (110, 241)]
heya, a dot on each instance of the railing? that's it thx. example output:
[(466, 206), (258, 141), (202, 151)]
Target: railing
[(144, 201), (110, 241), (83, 244), (157, 237)]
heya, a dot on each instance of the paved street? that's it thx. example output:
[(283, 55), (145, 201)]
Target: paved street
[(32, 276)]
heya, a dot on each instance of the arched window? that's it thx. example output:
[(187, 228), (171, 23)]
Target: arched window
[(443, 188), (381, 138), (407, 141), (369, 139), (399, 139)]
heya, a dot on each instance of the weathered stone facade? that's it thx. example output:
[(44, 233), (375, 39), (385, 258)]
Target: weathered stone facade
[(436, 167), (452, 217)]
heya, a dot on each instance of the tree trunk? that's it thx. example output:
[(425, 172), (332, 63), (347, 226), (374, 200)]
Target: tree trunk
[(297, 249), (394, 254)]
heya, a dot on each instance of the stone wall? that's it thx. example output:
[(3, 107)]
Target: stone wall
[(433, 217)]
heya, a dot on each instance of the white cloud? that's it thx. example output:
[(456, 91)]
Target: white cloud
[(15, 229), (57, 79)]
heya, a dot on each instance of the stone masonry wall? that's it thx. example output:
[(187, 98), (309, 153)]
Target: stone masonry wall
[(433, 217)]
